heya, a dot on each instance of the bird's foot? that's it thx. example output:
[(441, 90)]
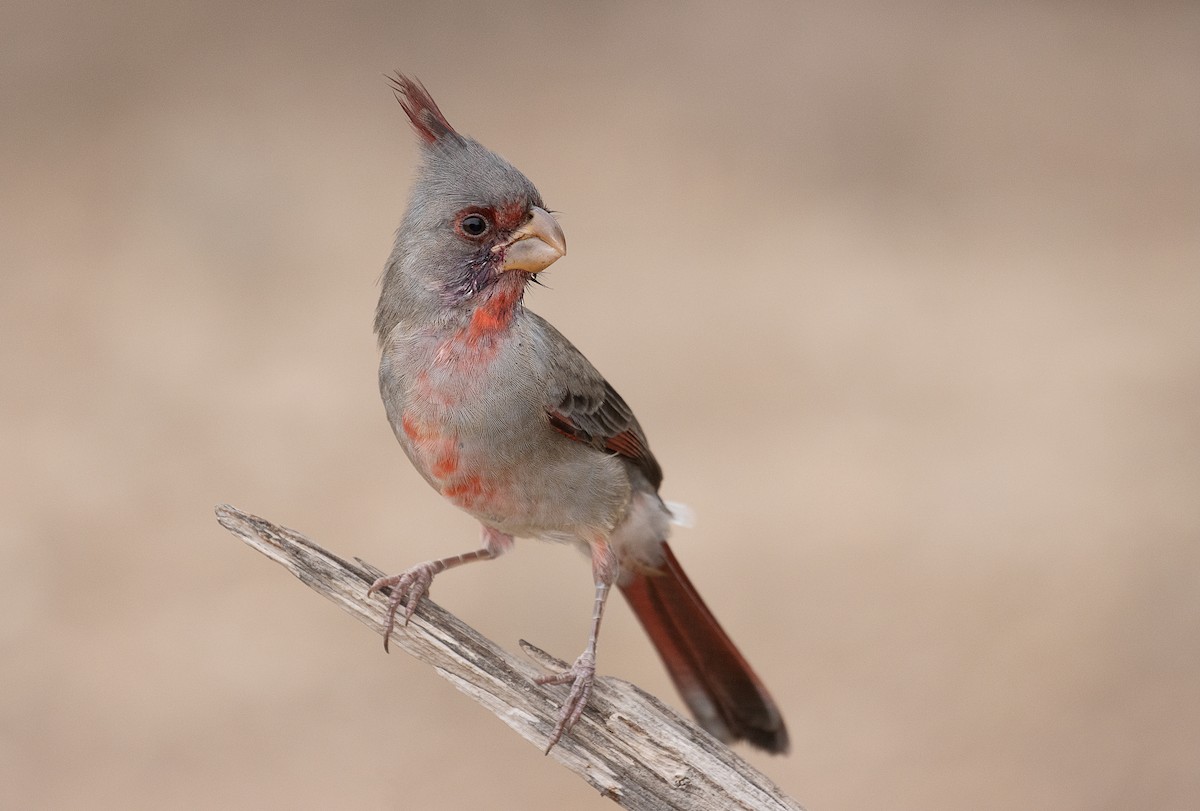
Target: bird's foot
[(581, 676), (407, 589)]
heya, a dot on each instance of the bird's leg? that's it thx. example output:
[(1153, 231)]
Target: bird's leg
[(582, 674), (408, 587)]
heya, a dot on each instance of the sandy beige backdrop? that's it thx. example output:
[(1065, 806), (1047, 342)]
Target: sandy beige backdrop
[(906, 296)]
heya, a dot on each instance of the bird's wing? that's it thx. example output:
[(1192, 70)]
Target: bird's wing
[(583, 406)]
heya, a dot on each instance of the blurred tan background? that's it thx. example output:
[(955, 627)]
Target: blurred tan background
[(905, 294)]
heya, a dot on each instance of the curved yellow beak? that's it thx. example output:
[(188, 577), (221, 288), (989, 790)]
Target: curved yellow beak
[(535, 245)]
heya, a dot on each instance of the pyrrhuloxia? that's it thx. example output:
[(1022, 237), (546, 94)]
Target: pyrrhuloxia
[(509, 421)]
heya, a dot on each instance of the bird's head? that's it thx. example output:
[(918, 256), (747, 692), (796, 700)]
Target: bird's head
[(473, 219)]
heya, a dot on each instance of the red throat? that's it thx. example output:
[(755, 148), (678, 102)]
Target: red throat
[(494, 315)]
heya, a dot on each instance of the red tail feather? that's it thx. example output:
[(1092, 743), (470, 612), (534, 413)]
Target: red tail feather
[(714, 679)]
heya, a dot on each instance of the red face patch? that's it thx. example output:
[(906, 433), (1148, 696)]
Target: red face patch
[(486, 223), (511, 215)]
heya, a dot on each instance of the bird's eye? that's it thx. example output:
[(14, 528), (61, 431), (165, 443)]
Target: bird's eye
[(474, 225)]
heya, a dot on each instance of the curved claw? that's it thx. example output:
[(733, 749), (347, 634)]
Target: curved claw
[(581, 675), (407, 589)]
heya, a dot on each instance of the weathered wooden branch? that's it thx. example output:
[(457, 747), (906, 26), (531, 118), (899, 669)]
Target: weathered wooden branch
[(628, 745)]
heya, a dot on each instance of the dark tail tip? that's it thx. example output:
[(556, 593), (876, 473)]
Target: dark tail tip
[(715, 680)]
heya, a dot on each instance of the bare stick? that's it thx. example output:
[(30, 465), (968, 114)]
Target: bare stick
[(628, 745)]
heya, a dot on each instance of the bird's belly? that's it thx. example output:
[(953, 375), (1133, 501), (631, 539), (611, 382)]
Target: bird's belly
[(471, 421), (523, 480), (454, 465)]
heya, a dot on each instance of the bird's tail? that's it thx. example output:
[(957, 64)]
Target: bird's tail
[(714, 679)]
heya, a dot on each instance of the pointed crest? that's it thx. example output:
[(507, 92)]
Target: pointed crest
[(424, 114)]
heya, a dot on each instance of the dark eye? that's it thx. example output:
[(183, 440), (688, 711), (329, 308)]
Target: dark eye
[(474, 225)]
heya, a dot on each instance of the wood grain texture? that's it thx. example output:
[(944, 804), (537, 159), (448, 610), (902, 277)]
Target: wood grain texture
[(628, 745)]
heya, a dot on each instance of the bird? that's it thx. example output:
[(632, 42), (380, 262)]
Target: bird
[(508, 421)]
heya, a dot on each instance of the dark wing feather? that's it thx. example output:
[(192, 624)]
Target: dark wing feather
[(584, 407)]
